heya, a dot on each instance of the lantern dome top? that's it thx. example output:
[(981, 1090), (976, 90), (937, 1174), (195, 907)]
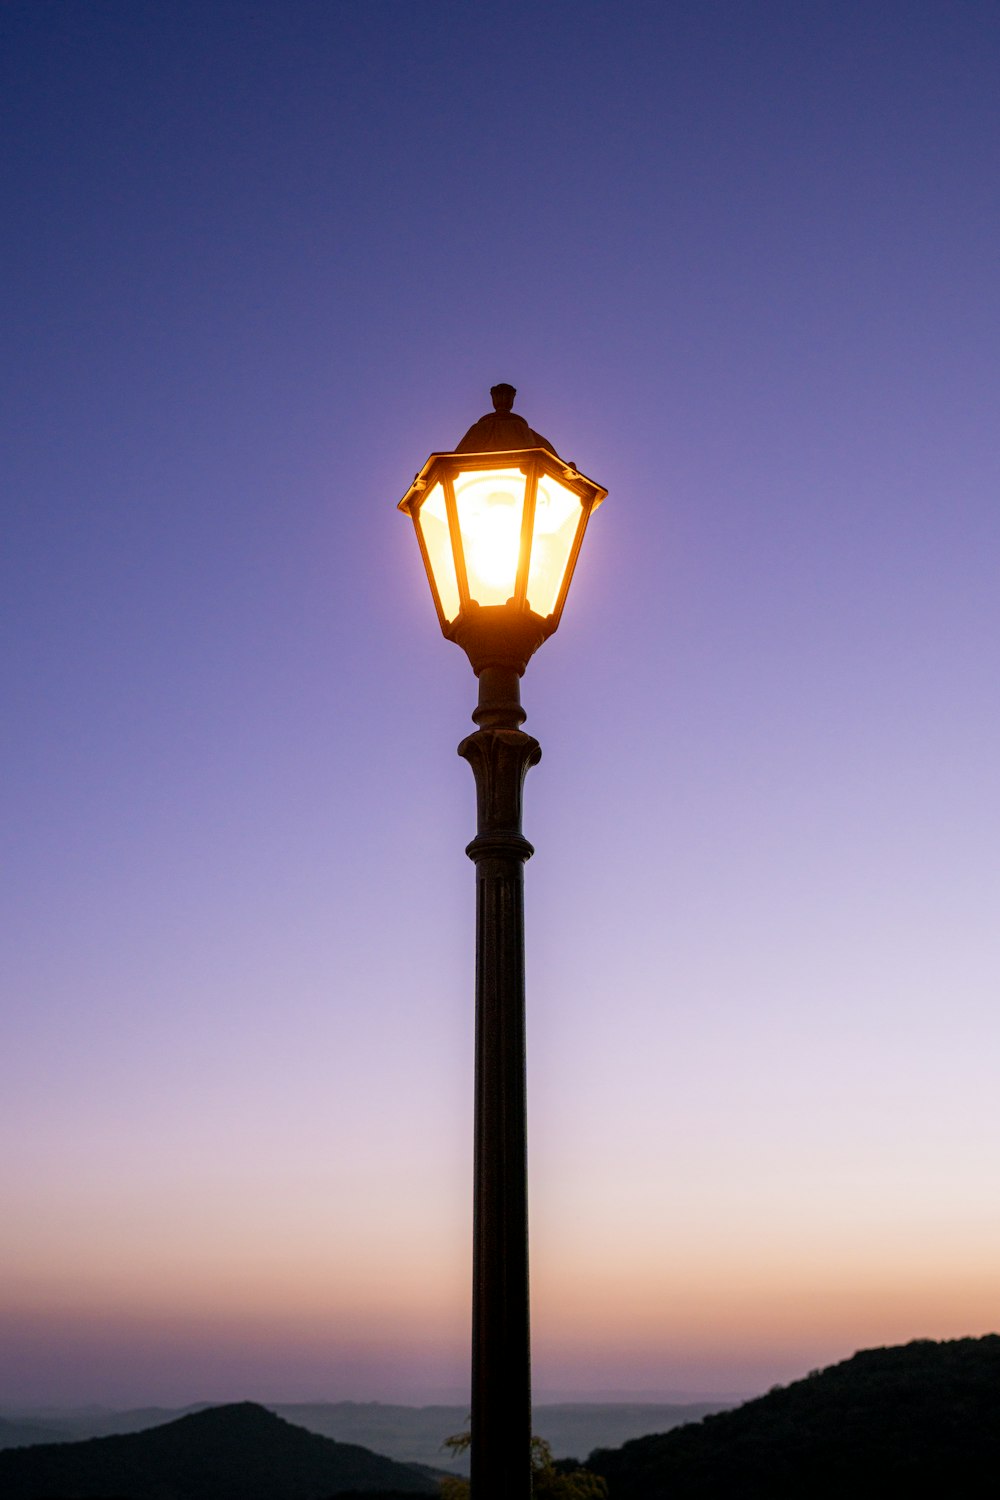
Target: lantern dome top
[(502, 429)]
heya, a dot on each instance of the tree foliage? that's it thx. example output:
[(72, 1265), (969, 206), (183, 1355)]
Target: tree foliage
[(551, 1479)]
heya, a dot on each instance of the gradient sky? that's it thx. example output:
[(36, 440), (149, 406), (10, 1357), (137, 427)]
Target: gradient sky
[(741, 262)]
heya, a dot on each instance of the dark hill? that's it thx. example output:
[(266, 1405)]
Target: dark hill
[(918, 1420), (240, 1452)]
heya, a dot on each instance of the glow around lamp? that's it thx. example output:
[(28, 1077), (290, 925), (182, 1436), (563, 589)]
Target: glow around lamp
[(499, 522)]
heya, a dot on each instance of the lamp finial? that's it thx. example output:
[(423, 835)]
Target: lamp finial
[(501, 430), (503, 398)]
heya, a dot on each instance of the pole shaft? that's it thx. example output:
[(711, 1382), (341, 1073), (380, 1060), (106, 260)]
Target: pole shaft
[(501, 1370)]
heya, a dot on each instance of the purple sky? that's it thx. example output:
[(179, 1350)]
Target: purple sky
[(741, 262)]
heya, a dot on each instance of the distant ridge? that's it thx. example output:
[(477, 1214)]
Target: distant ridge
[(18, 1434), (920, 1419), (409, 1434), (72, 1426), (238, 1452), (415, 1434)]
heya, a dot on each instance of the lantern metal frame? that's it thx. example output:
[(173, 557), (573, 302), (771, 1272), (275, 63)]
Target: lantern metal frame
[(499, 635)]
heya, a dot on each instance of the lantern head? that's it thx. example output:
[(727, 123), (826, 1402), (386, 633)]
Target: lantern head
[(499, 522)]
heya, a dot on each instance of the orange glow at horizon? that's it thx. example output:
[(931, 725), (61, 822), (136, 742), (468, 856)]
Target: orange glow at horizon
[(698, 1303)]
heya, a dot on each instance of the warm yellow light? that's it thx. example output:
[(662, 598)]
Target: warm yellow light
[(490, 505), (557, 516), (495, 542), (499, 535), (432, 518)]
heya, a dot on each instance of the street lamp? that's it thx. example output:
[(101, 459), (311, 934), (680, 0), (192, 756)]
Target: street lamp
[(499, 522)]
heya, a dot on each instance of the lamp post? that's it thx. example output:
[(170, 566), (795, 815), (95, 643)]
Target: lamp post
[(499, 522)]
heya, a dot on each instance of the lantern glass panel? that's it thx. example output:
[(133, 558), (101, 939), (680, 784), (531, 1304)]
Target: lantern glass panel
[(432, 518), (490, 504), (557, 516)]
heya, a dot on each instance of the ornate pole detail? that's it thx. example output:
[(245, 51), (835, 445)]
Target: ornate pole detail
[(500, 756)]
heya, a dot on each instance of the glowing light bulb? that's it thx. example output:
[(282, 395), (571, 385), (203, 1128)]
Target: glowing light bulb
[(490, 505), (494, 543)]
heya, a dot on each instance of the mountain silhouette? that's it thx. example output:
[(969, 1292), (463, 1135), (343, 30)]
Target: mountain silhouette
[(239, 1452), (919, 1419)]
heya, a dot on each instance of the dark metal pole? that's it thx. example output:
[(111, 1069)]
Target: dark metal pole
[(500, 756)]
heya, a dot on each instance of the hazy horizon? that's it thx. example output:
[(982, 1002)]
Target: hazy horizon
[(434, 1398), (222, 1388)]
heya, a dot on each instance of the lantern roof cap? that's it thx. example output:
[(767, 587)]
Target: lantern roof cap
[(502, 429)]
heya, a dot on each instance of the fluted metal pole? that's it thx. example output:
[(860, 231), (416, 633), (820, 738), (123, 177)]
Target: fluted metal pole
[(500, 755)]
